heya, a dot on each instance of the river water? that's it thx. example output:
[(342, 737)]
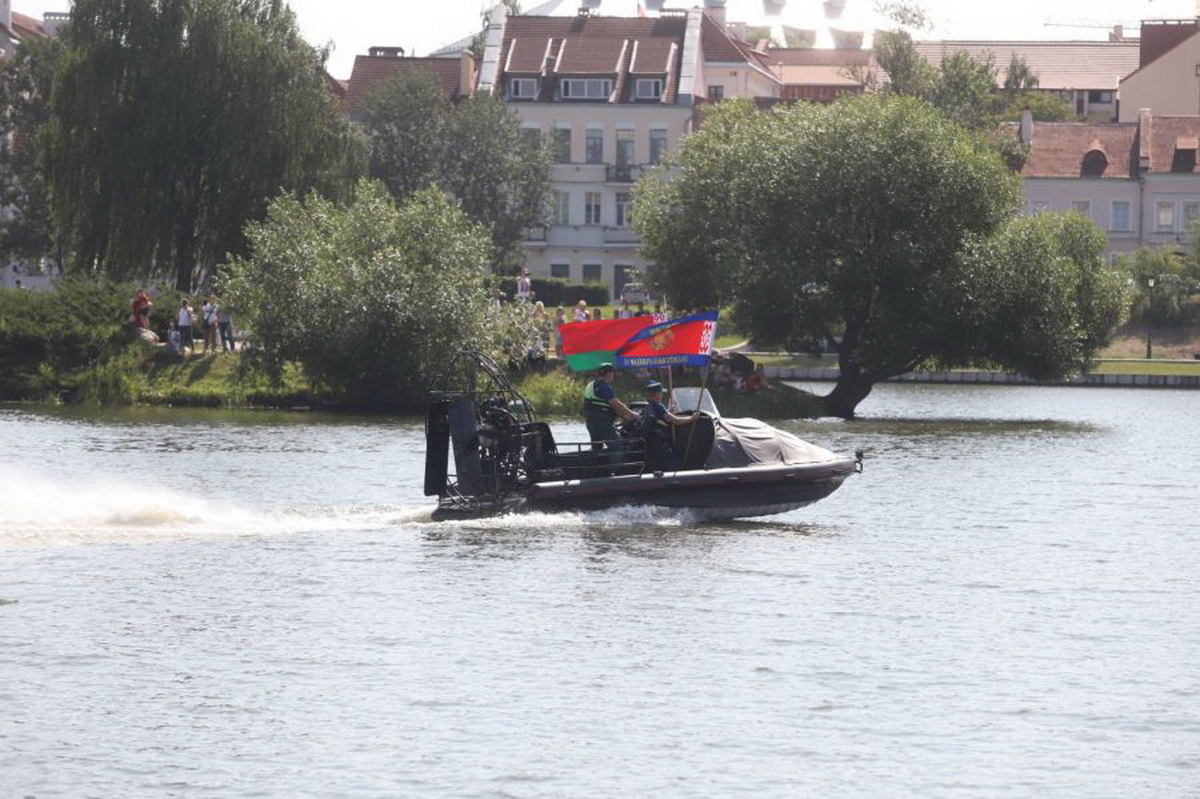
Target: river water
[(1006, 603)]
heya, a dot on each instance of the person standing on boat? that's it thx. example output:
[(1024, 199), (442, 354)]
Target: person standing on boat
[(601, 408), (660, 455)]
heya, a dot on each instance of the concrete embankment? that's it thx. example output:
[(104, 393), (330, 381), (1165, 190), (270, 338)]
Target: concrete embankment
[(995, 378)]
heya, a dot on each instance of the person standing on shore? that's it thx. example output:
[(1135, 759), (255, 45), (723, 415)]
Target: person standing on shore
[(208, 318), (141, 309), (184, 325), (225, 327)]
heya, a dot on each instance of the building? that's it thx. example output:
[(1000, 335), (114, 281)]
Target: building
[(1137, 180), (455, 74), (1086, 74), (1167, 77), (820, 75)]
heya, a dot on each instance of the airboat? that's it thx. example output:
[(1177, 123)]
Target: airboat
[(505, 460)]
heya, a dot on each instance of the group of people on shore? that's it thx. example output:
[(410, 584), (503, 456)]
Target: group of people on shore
[(213, 322)]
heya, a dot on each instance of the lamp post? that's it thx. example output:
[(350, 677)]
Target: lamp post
[(1149, 316)]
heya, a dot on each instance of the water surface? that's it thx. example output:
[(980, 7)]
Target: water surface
[(205, 603)]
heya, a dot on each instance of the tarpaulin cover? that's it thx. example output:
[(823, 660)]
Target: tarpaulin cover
[(749, 442)]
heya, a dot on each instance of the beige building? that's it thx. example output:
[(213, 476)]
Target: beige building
[(1136, 180), (1167, 79)]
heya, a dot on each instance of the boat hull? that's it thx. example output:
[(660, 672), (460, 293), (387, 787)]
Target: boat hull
[(708, 494)]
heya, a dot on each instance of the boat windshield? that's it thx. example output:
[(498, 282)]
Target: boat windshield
[(686, 399)]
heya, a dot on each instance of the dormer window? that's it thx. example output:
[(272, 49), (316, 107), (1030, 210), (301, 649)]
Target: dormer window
[(649, 89), (1095, 161), (586, 88), (522, 88)]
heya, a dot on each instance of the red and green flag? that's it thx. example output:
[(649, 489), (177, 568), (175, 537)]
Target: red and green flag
[(639, 341), (589, 344)]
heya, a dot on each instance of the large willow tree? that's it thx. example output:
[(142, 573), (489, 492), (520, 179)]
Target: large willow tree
[(878, 222), (175, 121)]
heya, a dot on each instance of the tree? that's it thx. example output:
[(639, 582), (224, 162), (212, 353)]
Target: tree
[(965, 90), (870, 220), (372, 298), (1019, 77), (175, 121), (1044, 106), (1174, 279), (26, 233), (475, 150)]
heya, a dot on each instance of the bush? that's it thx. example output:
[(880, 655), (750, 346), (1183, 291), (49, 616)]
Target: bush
[(48, 338), (554, 291), (373, 299)]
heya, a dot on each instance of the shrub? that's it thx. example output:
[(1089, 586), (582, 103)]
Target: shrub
[(554, 291)]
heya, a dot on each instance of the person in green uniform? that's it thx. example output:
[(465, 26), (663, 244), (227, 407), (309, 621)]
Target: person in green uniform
[(601, 409), (660, 455)]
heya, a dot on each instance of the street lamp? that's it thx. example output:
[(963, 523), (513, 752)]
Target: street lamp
[(1149, 316)]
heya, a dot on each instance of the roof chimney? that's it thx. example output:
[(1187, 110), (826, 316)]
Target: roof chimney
[(716, 10), (1118, 32), (377, 51), (466, 74), (1026, 128)]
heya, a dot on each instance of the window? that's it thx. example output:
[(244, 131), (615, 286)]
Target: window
[(1120, 219), (624, 204), (1191, 213), (562, 145), (522, 88), (560, 271), (1082, 207), (716, 93), (649, 88), (586, 88), (533, 137), (562, 207), (1164, 216), (1100, 97), (591, 273), (591, 208), (624, 147), (594, 146), (658, 146), (1037, 207)]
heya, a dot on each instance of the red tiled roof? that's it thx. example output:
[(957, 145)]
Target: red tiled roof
[(24, 26), (1169, 134), (585, 45), (591, 55), (652, 57), (1059, 147), (1058, 65), (370, 70)]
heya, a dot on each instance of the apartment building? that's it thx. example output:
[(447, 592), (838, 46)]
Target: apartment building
[(614, 95)]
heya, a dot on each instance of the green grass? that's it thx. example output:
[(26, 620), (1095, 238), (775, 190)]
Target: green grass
[(216, 381), (1143, 367)]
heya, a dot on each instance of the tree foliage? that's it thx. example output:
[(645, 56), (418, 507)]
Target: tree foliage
[(26, 233), (372, 298), (175, 121), (870, 219), (474, 149), (1175, 280)]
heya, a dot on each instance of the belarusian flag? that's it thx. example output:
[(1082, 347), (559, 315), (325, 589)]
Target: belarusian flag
[(589, 344), (685, 341)]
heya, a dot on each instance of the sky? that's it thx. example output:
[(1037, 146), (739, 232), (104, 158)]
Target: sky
[(352, 26)]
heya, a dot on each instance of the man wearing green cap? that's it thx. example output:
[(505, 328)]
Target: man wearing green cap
[(601, 409), (660, 456)]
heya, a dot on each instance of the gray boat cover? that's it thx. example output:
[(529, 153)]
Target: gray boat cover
[(749, 442)]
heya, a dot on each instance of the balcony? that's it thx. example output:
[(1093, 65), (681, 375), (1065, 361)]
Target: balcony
[(622, 173), (620, 235)]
